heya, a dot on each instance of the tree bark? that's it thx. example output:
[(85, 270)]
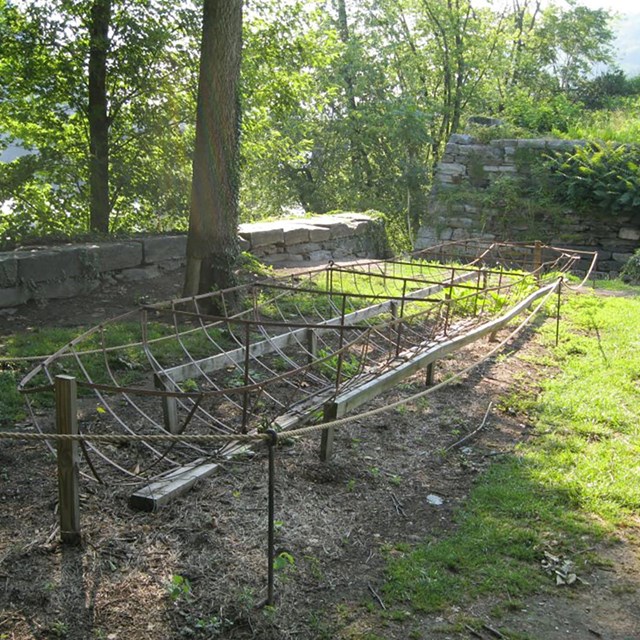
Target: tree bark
[(212, 246), (359, 160), (98, 116)]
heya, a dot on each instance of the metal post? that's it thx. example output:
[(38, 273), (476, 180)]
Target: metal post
[(447, 301), (537, 259), (312, 345), (245, 395), (273, 441), (558, 312), (475, 298), (330, 413), (341, 342), (66, 392), (399, 324)]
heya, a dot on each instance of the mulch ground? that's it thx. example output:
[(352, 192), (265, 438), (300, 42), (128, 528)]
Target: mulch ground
[(197, 568)]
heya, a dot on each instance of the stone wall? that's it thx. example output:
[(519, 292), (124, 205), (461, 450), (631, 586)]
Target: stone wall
[(469, 167), (41, 273), (317, 239)]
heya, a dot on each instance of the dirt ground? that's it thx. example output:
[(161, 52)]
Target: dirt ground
[(197, 568)]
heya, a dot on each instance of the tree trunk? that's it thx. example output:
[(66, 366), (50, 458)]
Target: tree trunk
[(98, 116), (362, 171), (212, 246)]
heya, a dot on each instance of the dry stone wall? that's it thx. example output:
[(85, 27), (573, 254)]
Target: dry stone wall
[(316, 239), (41, 273), (470, 167)]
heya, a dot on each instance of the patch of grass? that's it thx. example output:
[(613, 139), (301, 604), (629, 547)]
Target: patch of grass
[(11, 403), (616, 284), (567, 488)]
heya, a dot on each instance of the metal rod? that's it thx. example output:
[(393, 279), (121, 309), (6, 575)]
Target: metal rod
[(475, 299), (340, 344), (273, 441), (558, 311), (447, 301), (245, 395), (399, 325)]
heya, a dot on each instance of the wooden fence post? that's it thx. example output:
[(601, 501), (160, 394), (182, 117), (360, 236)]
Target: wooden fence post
[(66, 392)]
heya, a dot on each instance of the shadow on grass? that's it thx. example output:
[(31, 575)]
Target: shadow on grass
[(508, 522)]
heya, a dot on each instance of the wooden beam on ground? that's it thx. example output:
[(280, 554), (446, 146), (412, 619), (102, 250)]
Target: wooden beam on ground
[(181, 480), (178, 482), (357, 396)]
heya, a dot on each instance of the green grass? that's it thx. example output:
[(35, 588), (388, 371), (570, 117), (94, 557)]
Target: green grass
[(565, 489), (621, 124)]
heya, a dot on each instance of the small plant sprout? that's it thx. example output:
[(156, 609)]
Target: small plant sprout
[(179, 588), (283, 560)]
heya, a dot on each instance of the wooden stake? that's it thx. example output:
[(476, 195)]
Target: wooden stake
[(429, 374), (332, 411), (169, 406), (312, 345), (68, 460)]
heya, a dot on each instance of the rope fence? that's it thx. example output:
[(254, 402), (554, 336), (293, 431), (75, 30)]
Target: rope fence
[(313, 347)]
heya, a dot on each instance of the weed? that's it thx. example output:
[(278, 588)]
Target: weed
[(321, 627), (315, 567), (284, 560), (179, 588), (59, 629)]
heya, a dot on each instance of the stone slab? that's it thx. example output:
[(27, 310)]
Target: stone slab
[(112, 256), (161, 248), (139, 273), (320, 256), (462, 138), (8, 271), (629, 233), (14, 296), (260, 234), (67, 288), (318, 233), (452, 168), (41, 265), (294, 233)]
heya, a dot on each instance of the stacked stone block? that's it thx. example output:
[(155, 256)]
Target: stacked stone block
[(470, 164), (41, 273)]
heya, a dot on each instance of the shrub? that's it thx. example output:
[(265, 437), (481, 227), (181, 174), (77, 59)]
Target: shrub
[(631, 271), (605, 176)]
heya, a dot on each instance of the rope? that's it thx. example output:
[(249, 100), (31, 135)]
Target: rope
[(122, 438)]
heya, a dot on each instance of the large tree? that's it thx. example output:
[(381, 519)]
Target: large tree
[(212, 246), (98, 115), (101, 93)]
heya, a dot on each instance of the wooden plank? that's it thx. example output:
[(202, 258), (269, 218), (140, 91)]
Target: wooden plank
[(154, 495), (179, 481), (429, 373), (169, 406), (66, 394), (312, 345), (284, 340), (363, 393)]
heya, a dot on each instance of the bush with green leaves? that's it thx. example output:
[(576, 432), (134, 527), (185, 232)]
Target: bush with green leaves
[(598, 176), (631, 271)]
